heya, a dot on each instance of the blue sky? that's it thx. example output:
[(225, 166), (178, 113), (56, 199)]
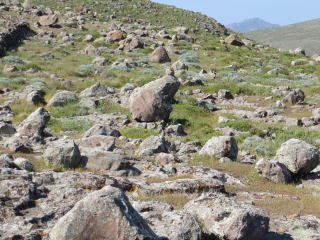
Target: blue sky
[(281, 12)]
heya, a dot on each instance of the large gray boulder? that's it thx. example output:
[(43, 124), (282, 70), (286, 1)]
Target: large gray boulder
[(60, 98), (298, 156), (228, 217), (179, 65), (97, 159), (106, 143), (27, 4), (166, 222), (149, 106), (104, 214), (100, 129), (35, 124), (273, 171), (153, 144), (159, 55), (219, 147), (94, 91), (63, 152), (28, 89), (167, 86)]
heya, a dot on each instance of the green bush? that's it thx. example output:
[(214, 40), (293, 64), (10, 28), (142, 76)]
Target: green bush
[(12, 60), (240, 125), (38, 82), (27, 66), (190, 57), (5, 81), (89, 68), (19, 80)]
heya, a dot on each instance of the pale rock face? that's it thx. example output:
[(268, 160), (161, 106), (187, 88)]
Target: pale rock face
[(219, 147), (166, 222), (48, 20), (63, 152), (60, 98), (106, 213), (155, 144), (298, 156), (99, 129)]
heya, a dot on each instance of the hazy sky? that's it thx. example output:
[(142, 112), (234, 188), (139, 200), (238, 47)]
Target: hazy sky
[(281, 12)]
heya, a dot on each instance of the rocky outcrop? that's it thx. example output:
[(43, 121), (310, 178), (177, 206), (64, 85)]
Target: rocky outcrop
[(63, 152), (14, 32), (168, 223), (294, 97), (229, 218)]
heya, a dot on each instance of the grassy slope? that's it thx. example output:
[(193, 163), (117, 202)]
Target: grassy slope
[(304, 34), (198, 123)]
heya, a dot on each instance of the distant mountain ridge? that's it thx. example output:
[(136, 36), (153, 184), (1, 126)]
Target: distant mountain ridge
[(251, 25), (303, 34)]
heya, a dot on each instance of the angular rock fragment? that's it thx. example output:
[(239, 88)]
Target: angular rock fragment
[(273, 170), (159, 55), (60, 98), (104, 214), (35, 124)]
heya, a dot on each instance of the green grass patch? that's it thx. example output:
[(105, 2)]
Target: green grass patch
[(135, 133)]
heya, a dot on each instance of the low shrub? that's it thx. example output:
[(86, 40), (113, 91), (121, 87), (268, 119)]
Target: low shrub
[(12, 60), (27, 66)]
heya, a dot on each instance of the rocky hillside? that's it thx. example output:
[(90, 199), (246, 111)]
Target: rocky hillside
[(143, 121), (251, 25), (290, 37)]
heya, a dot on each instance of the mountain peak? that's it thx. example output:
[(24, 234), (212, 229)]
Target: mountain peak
[(251, 24)]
